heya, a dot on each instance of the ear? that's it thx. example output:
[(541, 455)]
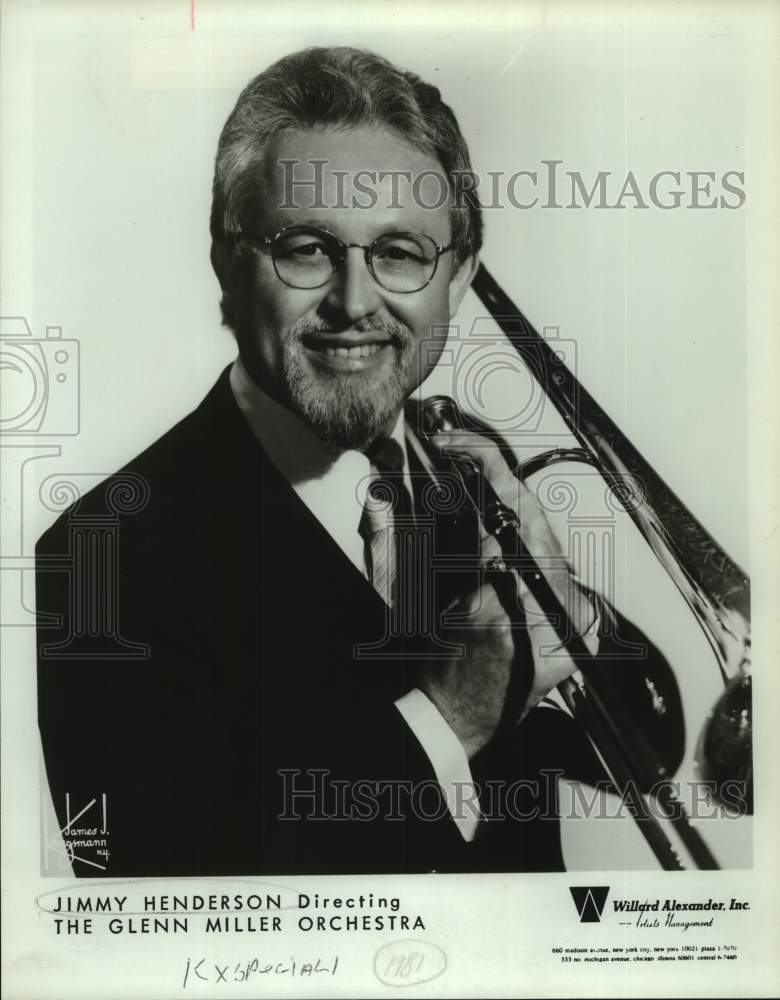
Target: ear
[(460, 282), (225, 271), (220, 263)]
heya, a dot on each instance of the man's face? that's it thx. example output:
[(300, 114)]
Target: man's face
[(344, 356)]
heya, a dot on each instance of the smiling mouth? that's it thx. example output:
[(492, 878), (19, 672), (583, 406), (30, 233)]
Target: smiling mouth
[(353, 353)]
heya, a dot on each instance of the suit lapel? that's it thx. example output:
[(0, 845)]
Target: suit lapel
[(291, 592)]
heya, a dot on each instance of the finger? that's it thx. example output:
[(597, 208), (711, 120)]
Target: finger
[(489, 548), (467, 438), (475, 448), (467, 443), (493, 564)]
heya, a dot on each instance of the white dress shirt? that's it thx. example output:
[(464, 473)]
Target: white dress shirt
[(325, 482)]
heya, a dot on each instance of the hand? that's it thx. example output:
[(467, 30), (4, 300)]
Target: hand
[(470, 692)]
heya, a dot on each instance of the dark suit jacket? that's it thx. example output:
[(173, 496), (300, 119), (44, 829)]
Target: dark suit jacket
[(198, 651)]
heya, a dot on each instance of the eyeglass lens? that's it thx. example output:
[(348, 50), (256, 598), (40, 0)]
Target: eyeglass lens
[(400, 262)]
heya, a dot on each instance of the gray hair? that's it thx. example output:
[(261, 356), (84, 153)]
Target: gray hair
[(339, 87)]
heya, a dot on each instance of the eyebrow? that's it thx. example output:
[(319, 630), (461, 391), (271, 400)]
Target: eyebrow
[(315, 222), (309, 222)]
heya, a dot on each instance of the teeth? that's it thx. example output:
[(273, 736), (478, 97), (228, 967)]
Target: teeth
[(361, 351)]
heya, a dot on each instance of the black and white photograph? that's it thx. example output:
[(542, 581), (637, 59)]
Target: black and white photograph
[(389, 444)]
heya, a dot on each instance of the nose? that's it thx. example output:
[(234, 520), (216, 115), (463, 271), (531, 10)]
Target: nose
[(354, 292)]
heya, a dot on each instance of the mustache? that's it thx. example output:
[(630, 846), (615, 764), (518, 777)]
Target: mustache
[(397, 332)]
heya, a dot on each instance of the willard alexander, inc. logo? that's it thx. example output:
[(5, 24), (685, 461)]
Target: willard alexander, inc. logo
[(589, 901)]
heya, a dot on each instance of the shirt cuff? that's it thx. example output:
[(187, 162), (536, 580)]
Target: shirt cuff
[(446, 754)]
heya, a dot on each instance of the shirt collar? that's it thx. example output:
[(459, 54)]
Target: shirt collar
[(331, 484)]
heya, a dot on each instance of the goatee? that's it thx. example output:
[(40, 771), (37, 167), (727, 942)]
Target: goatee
[(349, 410)]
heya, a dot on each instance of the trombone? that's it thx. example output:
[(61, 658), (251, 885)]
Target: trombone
[(714, 587)]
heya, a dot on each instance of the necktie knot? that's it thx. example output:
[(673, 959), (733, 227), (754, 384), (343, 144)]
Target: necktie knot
[(387, 455)]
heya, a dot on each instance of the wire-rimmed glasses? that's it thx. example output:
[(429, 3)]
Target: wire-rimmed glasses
[(307, 257)]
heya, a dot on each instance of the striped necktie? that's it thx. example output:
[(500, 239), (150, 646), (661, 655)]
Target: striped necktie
[(386, 512)]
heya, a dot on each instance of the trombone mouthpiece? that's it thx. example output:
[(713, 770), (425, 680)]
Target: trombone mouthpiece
[(439, 413)]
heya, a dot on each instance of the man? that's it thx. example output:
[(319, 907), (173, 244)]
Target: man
[(261, 708)]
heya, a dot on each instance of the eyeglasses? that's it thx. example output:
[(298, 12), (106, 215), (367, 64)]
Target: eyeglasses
[(308, 258)]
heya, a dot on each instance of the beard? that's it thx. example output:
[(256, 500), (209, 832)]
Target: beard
[(349, 410)]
